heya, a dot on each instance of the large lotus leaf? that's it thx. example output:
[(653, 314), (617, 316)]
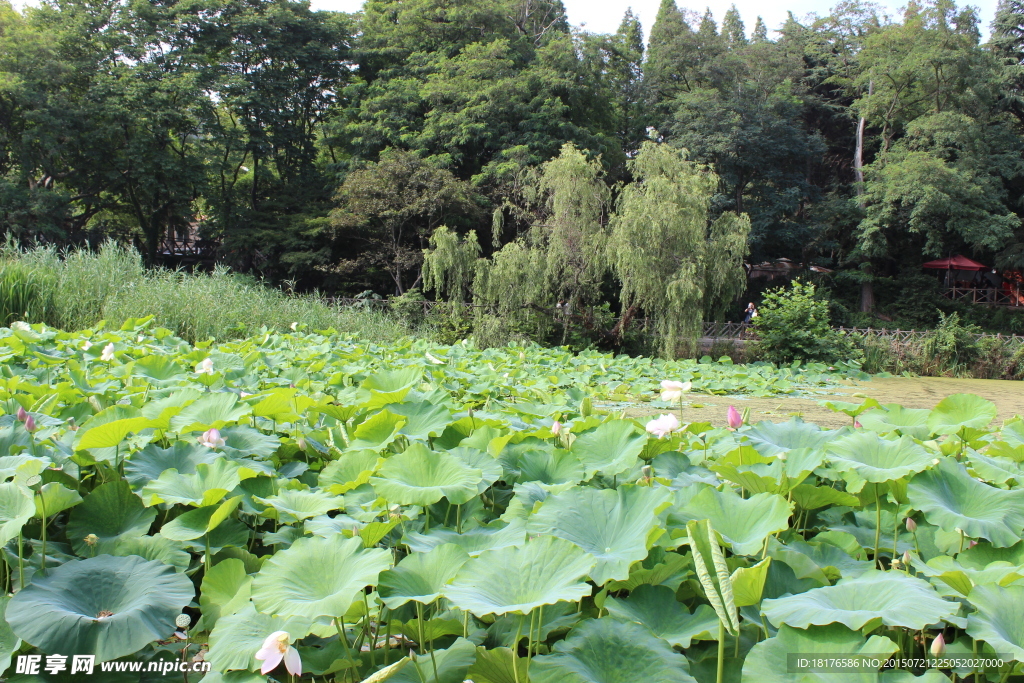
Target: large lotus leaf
[(156, 548), (317, 577), (452, 665), (377, 431), (999, 619), (211, 411), (822, 562), (610, 651), (420, 476), (159, 370), (611, 448), (744, 523), (147, 465), (53, 498), (110, 434), (207, 486), (895, 418), (389, 381), (656, 609), (895, 598), (226, 590), (952, 499), (239, 636), (422, 419), (768, 661), (16, 508), (107, 606), (995, 470), (946, 574), (291, 505), (542, 572), (474, 541), (866, 457), (111, 513), (195, 523), (612, 525), (961, 410), (242, 441), (9, 643), (352, 469), (770, 438), (421, 577), (550, 467)]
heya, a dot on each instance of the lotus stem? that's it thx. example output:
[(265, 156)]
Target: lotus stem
[(340, 625), (896, 534), (206, 556), (529, 641), (42, 505), (21, 561), (458, 519), (373, 642), (961, 541), (878, 526), (387, 639), (515, 651), (721, 652)]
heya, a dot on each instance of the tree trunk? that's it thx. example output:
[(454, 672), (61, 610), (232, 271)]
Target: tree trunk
[(867, 289)]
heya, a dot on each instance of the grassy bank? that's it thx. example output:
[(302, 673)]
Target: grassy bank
[(77, 289)]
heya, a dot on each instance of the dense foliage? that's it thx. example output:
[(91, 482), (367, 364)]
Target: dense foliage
[(436, 514), (329, 148), (794, 324)]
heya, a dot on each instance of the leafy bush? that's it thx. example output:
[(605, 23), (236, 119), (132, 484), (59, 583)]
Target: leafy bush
[(952, 346), (793, 324)]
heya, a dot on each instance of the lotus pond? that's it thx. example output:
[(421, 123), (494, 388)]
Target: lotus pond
[(310, 507)]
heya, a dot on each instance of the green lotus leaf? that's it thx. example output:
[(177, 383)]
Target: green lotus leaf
[(947, 573), (610, 651), (911, 422), (452, 665), (159, 370), (207, 486), (53, 498), (422, 419), (669, 569), (377, 431), (822, 562), (242, 441), (768, 661), (421, 577), (809, 497), (895, 598), (110, 434), (239, 636), (748, 583), (16, 508), (493, 666), (107, 606), (611, 448), (279, 404), (490, 468), (420, 476), (142, 467), (291, 505), (317, 577), (195, 523), (226, 590), (390, 381), (557, 466), (999, 618), (996, 470), (744, 523), (9, 643), (866, 457), (771, 439), (211, 411), (961, 410), (518, 579), (474, 541), (612, 525), (952, 499), (352, 469), (154, 548), (111, 513), (657, 610)]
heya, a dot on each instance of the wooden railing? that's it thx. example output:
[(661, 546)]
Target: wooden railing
[(994, 296)]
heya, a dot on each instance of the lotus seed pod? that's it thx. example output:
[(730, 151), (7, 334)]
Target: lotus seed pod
[(182, 621)]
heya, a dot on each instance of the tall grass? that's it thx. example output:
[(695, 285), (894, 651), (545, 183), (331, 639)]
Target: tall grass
[(76, 289)]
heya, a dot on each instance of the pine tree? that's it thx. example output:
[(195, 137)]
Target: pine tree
[(708, 27), (662, 71), (733, 30), (760, 34)]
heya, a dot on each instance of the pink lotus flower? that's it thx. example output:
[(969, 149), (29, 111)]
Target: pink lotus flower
[(211, 439), (30, 424), (673, 391), (278, 647), (21, 414), (663, 425), (734, 418)]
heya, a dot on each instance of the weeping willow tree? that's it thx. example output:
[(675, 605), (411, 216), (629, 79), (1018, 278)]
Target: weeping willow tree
[(673, 262), (562, 257)]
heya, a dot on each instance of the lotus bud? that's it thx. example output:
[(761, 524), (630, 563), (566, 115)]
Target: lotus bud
[(301, 443), (21, 414), (182, 621), (906, 557), (646, 470), (91, 539), (734, 418), (522, 356), (857, 424), (30, 424), (556, 427), (911, 525), (938, 646), (211, 438), (972, 544)]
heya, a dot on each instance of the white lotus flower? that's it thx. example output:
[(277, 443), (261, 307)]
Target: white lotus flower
[(294, 326), (673, 391), (211, 439), (108, 353), (432, 359), (205, 367), (663, 425), (276, 647), (86, 345)]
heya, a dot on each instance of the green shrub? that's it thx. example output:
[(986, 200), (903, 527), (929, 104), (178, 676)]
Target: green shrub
[(793, 324), (952, 346)]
